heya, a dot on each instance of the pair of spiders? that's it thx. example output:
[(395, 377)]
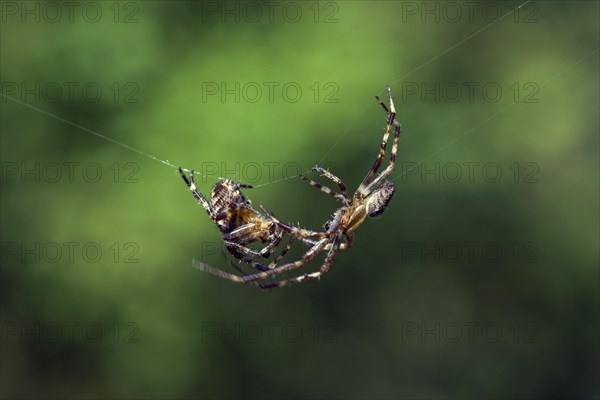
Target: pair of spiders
[(242, 225)]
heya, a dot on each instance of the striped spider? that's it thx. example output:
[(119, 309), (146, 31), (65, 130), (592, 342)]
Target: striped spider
[(239, 223), (370, 199)]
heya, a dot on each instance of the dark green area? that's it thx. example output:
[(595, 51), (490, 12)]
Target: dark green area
[(478, 285)]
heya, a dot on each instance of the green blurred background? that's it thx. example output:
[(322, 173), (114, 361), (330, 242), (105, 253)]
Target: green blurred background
[(483, 285)]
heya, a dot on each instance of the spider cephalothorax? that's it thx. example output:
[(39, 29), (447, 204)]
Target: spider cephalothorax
[(370, 199), (360, 207), (350, 216)]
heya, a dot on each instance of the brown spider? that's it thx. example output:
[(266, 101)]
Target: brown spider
[(370, 199), (239, 223)]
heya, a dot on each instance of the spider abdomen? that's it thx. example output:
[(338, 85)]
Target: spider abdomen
[(379, 200), (226, 195)]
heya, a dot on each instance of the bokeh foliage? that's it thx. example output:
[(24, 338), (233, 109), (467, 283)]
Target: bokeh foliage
[(376, 291)]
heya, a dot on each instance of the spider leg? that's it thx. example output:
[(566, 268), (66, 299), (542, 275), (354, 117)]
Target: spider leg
[(298, 232), (325, 189), (309, 255), (249, 232), (264, 252), (204, 267), (224, 255), (343, 246), (241, 231), (332, 177), (271, 265), (236, 241), (255, 264), (382, 104), (245, 250), (199, 198), (386, 134), (240, 255), (335, 249), (390, 168), (268, 250)]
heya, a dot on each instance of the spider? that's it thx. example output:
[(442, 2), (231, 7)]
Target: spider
[(370, 199), (239, 223)]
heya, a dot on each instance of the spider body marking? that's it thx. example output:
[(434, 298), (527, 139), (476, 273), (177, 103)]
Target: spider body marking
[(233, 210), (239, 223), (370, 199)]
